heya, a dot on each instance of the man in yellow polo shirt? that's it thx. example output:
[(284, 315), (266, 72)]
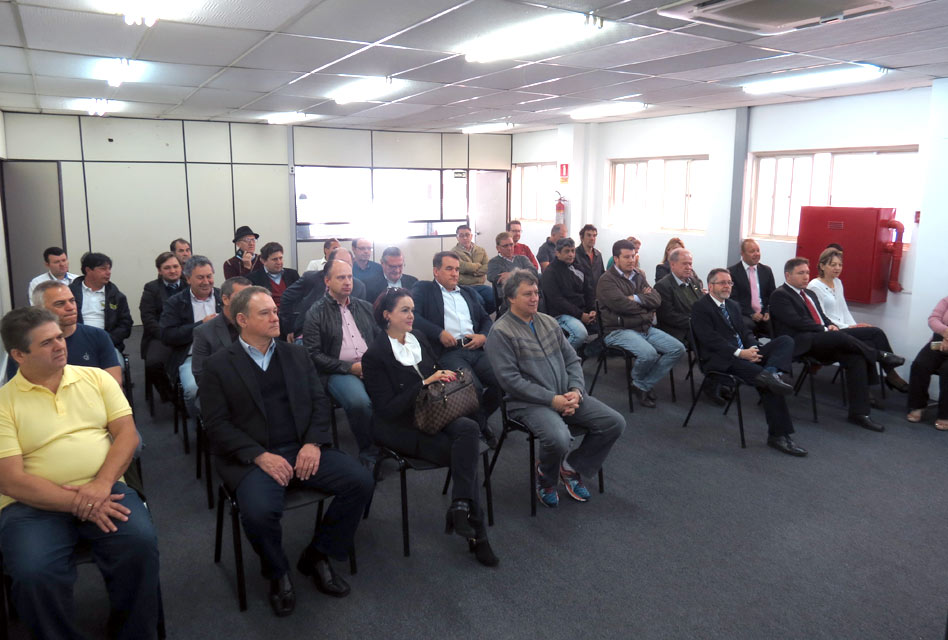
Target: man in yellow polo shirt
[(66, 438)]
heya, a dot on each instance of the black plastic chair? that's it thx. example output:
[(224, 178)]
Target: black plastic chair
[(202, 458), (405, 463), (606, 352), (127, 384), (294, 498), (511, 425), (720, 377), (181, 416), (690, 376)]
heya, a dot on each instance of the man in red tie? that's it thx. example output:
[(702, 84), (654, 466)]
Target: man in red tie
[(795, 311), (753, 284)]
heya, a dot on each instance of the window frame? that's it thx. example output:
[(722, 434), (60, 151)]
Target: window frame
[(517, 168), (688, 195)]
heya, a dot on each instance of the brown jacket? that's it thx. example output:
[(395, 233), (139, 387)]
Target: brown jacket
[(618, 310), (473, 264)]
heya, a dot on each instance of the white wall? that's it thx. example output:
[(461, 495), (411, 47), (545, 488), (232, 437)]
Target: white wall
[(130, 186)]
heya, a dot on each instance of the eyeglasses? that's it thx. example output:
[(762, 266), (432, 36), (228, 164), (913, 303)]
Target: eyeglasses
[(506, 244), (723, 283)]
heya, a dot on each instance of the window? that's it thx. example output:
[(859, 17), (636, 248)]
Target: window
[(782, 184), (668, 191), (533, 192), (390, 204)]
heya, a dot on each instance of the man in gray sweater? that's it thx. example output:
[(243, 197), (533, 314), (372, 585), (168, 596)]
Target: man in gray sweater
[(542, 377)]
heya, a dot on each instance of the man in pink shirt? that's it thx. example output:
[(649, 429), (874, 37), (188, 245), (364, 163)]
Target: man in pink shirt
[(336, 332), (515, 229)]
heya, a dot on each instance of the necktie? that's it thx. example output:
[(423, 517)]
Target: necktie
[(727, 319), (811, 308), (755, 288)]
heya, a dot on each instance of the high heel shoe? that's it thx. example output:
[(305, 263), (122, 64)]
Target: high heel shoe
[(482, 551), (895, 382), (456, 520)]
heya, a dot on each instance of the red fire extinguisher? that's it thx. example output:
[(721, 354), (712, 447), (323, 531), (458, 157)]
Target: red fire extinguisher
[(560, 209)]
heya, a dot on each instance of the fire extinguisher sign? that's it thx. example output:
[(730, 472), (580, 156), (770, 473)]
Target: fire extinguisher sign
[(564, 173)]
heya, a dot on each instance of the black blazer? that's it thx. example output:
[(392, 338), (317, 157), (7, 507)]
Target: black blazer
[(393, 388), (717, 340), (303, 294), (375, 286), (209, 338), (118, 319), (235, 415), (261, 279), (429, 312), (742, 293), (675, 310), (790, 317), (154, 295), (177, 326)]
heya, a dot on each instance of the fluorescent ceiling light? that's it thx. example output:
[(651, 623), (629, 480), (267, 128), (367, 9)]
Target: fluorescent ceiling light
[(532, 36), (95, 106), (367, 89), (606, 110), (119, 70), (288, 117), (815, 80), (491, 127)]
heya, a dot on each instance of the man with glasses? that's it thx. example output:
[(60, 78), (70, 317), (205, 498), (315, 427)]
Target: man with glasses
[(245, 259), (725, 344), (500, 266), (520, 249)]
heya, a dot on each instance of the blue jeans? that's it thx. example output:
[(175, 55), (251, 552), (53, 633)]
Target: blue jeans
[(486, 293), (189, 386), (349, 392), (576, 332), (655, 353), (38, 551)]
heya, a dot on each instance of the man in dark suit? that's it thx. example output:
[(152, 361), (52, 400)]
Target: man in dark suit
[(274, 276), (453, 320), (182, 313), (99, 302), (154, 352), (724, 344), (218, 333), (680, 290), (796, 312), (753, 284), (393, 276), (304, 293), (268, 424)]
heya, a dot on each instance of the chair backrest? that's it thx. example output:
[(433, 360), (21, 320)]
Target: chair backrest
[(696, 346)]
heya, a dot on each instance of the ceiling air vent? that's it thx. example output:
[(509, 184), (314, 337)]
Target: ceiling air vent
[(770, 17)]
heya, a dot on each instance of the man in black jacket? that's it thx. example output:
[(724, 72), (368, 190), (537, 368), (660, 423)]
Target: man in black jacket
[(336, 333), (304, 293), (796, 312), (154, 352), (724, 344), (588, 257), (184, 311), (569, 294), (99, 302), (753, 285), (274, 276), (268, 424), (456, 325), (393, 276)]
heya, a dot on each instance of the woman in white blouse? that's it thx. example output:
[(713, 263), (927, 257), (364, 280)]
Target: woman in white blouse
[(829, 290)]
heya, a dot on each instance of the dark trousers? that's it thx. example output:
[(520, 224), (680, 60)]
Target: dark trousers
[(156, 355), (778, 353), (484, 378), (856, 357), (38, 548), (757, 328), (261, 508), (873, 336), (926, 364)]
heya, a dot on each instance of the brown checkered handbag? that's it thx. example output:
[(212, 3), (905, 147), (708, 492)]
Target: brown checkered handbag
[(441, 402)]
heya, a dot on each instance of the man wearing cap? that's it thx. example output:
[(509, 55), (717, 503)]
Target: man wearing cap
[(246, 260)]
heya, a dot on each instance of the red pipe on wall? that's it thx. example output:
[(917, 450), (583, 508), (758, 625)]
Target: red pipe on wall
[(895, 248)]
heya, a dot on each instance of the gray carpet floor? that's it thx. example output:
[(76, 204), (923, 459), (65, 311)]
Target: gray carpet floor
[(694, 537)]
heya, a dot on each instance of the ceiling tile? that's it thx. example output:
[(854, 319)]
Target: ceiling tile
[(662, 45), (330, 108), (613, 92), (315, 85), (504, 99), (553, 103), (753, 67), (656, 84), (447, 95), (13, 60), (142, 109), (914, 58), (18, 101), (712, 58), (74, 32), (581, 82), (9, 34), (875, 49), (186, 75), (16, 82), (524, 75), (694, 90), (652, 19), (194, 111), (71, 65), (718, 33), (296, 53), (394, 110), (253, 79), (221, 98), (188, 43), (156, 93), (72, 87), (366, 20), (277, 102), (936, 70), (457, 69), (384, 61)]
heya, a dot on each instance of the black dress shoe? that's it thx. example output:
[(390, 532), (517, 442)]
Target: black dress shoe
[(875, 402), (643, 397), (651, 395), (772, 382), (713, 394), (785, 445), (282, 596), (482, 551), (866, 423), (895, 381), (458, 519), (326, 579), (890, 360)]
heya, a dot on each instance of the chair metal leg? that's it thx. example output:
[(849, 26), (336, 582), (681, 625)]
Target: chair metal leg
[(447, 482), (694, 402), (500, 444), (628, 380), (404, 481), (353, 568), (238, 559), (881, 380), (488, 492), (220, 525), (332, 423), (813, 397), (602, 483), (207, 473), (599, 366), (671, 380), (184, 433), (198, 447), (533, 477), (162, 631), (691, 372), (740, 413)]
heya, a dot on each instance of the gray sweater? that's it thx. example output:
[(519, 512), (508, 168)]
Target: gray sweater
[(532, 367)]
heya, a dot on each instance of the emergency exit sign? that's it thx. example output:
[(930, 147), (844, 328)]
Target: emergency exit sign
[(564, 173)]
